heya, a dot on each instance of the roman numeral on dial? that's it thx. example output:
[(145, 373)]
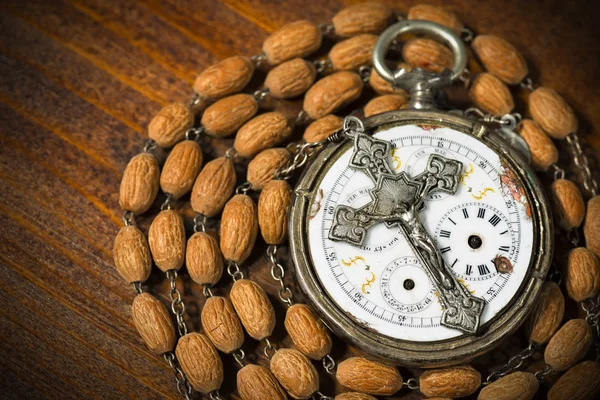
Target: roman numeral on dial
[(445, 249), (445, 234), (465, 213), (469, 269), (483, 269), (481, 213), (504, 248), (494, 220)]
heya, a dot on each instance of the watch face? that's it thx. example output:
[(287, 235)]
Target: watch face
[(484, 233)]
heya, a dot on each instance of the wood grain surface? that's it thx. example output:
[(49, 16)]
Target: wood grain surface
[(79, 82)]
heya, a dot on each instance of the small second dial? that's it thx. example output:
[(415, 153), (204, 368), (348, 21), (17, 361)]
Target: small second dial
[(406, 287)]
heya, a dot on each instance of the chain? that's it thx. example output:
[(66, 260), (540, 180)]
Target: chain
[(541, 374), (194, 133), (527, 84), (365, 73), (329, 364), (260, 94), (326, 29), (467, 35), (206, 290), (582, 162), (215, 395), (183, 386), (149, 146), (195, 99), (128, 218), (559, 173), (320, 396), (592, 310), (412, 384), (238, 356), (138, 287), (200, 223), (322, 65), (166, 205), (177, 305), (268, 348), (233, 269), (300, 158), (231, 153), (243, 188), (278, 273), (258, 59), (513, 364)]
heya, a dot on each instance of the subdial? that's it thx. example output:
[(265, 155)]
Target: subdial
[(406, 287), (379, 238), (476, 241)]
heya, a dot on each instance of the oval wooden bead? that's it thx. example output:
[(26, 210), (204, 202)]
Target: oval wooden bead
[(307, 332), (170, 124), (582, 382), (181, 168), (354, 396), (322, 128), (152, 321), (213, 187), (385, 103), (582, 279), (290, 79), (263, 167), (366, 376), (569, 345), (516, 386), (439, 15), (569, 204), (543, 151), (362, 18), (500, 58), (451, 382), (427, 54), (262, 132), (552, 112), (295, 372), (239, 227), (546, 317), (200, 362), (132, 254), (381, 86), (591, 227), (273, 205), (203, 259), (490, 94), (332, 93), (254, 308), (296, 39), (226, 77), (166, 237), (139, 185), (350, 54), (258, 383), (221, 324), (226, 116)]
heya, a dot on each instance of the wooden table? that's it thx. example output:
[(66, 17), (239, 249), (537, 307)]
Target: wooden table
[(79, 82)]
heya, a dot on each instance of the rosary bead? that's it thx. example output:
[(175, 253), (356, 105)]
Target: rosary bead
[(582, 382), (427, 54), (450, 382), (203, 259), (385, 103), (221, 324), (132, 254), (200, 362), (350, 54), (307, 332), (258, 383), (500, 58), (239, 228), (516, 386), (322, 128), (332, 93), (381, 86), (366, 376), (490, 94), (290, 79), (263, 167), (153, 323), (166, 237), (546, 317), (139, 185), (543, 151), (213, 187), (273, 205), (362, 18), (591, 227), (224, 78), (170, 124), (181, 168), (295, 373), (296, 39), (552, 112), (261, 132), (582, 279), (254, 308), (568, 204), (438, 15), (226, 116), (569, 345)]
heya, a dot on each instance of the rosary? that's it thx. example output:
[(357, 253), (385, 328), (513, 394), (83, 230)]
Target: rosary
[(420, 237)]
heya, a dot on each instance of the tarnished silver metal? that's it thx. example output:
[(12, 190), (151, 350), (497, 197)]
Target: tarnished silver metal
[(397, 200), (421, 83), (233, 270), (541, 374), (558, 172), (467, 35), (258, 59), (582, 162), (410, 353), (149, 146), (177, 305), (183, 386), (320, 396), (207, 290), (302, 118), (138, 287), (260, 94), (243, 188), (365, 73), (166, 205), (329, 364), (194, 100), (269, 350), (527, 84), (238, 356), (194, 133), (278, 273), (513, 364), (302, 153), (326, 29), (200, 222), (508, 124), (323, 65), (592, 310), (215, 395), (231, 153), (128, 218), (412, 383)]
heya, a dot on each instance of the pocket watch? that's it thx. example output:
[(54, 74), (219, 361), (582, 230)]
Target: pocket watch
[(423, 237)]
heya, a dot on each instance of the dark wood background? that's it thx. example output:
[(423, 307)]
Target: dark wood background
[(79, 82)]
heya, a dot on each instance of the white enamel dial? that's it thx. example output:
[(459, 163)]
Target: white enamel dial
[(381, 284)]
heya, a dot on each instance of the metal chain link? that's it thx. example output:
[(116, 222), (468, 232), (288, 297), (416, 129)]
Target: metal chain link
[(138, 287), (258, 59), (128, 218), (200, 223), (320, 396), (592, 309), (149, 146), (541, 374), (582, 162), (194, 133), (243, 188), (233, 270), (329, 364), (322, 65), (260, 94), (268, 347), (206, 290), (183, 386), (215, 395), (527, 84), (365, 73), (326, 29), (278, 273), (177, 305), (559, 173), (412, 384), (512, 364), (238, 356), (166, 205), (231, 153), (303, 153), (195, 99), (467, 35)]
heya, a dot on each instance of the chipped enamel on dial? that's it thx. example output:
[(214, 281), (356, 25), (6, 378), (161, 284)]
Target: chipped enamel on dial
[(483, 231)]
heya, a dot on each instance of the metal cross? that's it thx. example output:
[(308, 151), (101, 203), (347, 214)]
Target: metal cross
[(396, 201)]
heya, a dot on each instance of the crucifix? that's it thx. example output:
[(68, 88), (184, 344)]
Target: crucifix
[(396, 201)]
